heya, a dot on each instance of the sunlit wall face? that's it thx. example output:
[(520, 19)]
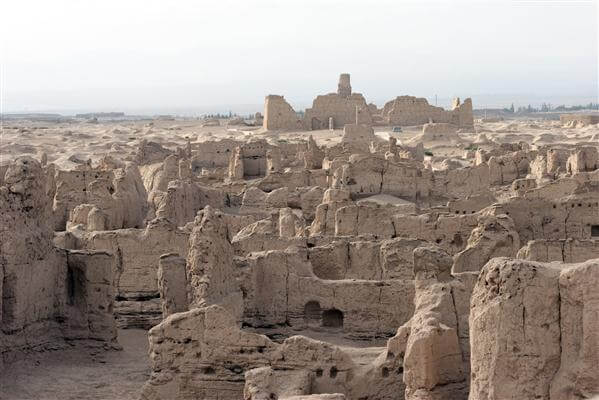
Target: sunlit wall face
[(154, 55)]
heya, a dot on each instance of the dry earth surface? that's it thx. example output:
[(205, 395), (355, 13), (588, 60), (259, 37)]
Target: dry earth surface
[(80, 373)]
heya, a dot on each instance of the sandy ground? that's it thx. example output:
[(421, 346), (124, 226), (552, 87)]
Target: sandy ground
[(81, 373), (67, 141)]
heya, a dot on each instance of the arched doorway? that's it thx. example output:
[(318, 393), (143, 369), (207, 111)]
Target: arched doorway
[(332, 318)]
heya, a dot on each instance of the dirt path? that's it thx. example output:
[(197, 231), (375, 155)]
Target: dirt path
[(80, 373)]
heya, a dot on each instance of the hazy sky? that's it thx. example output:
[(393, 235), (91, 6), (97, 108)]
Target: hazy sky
[(65, 55)]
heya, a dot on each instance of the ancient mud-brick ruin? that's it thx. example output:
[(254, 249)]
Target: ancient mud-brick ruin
[(456, 259), (334, 110), (408, 110), (48, 294)]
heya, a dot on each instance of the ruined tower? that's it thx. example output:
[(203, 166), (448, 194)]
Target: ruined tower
[(344, 86)]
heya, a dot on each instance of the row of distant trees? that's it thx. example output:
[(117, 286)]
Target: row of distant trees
[(546, 107), (228, 115), (221, 116)]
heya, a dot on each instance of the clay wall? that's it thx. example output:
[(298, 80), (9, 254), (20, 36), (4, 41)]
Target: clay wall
[(409, 110), (546, 219), (279, 115), (37, 287), (341, 109), (567, 251), (138, 253), (212, 154), (368, 308)]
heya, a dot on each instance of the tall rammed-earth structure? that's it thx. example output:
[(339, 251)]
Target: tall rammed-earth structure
[(337, 109), (344, 86)]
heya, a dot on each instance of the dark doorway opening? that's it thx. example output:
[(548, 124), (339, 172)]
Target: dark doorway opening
[(332, 318)]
